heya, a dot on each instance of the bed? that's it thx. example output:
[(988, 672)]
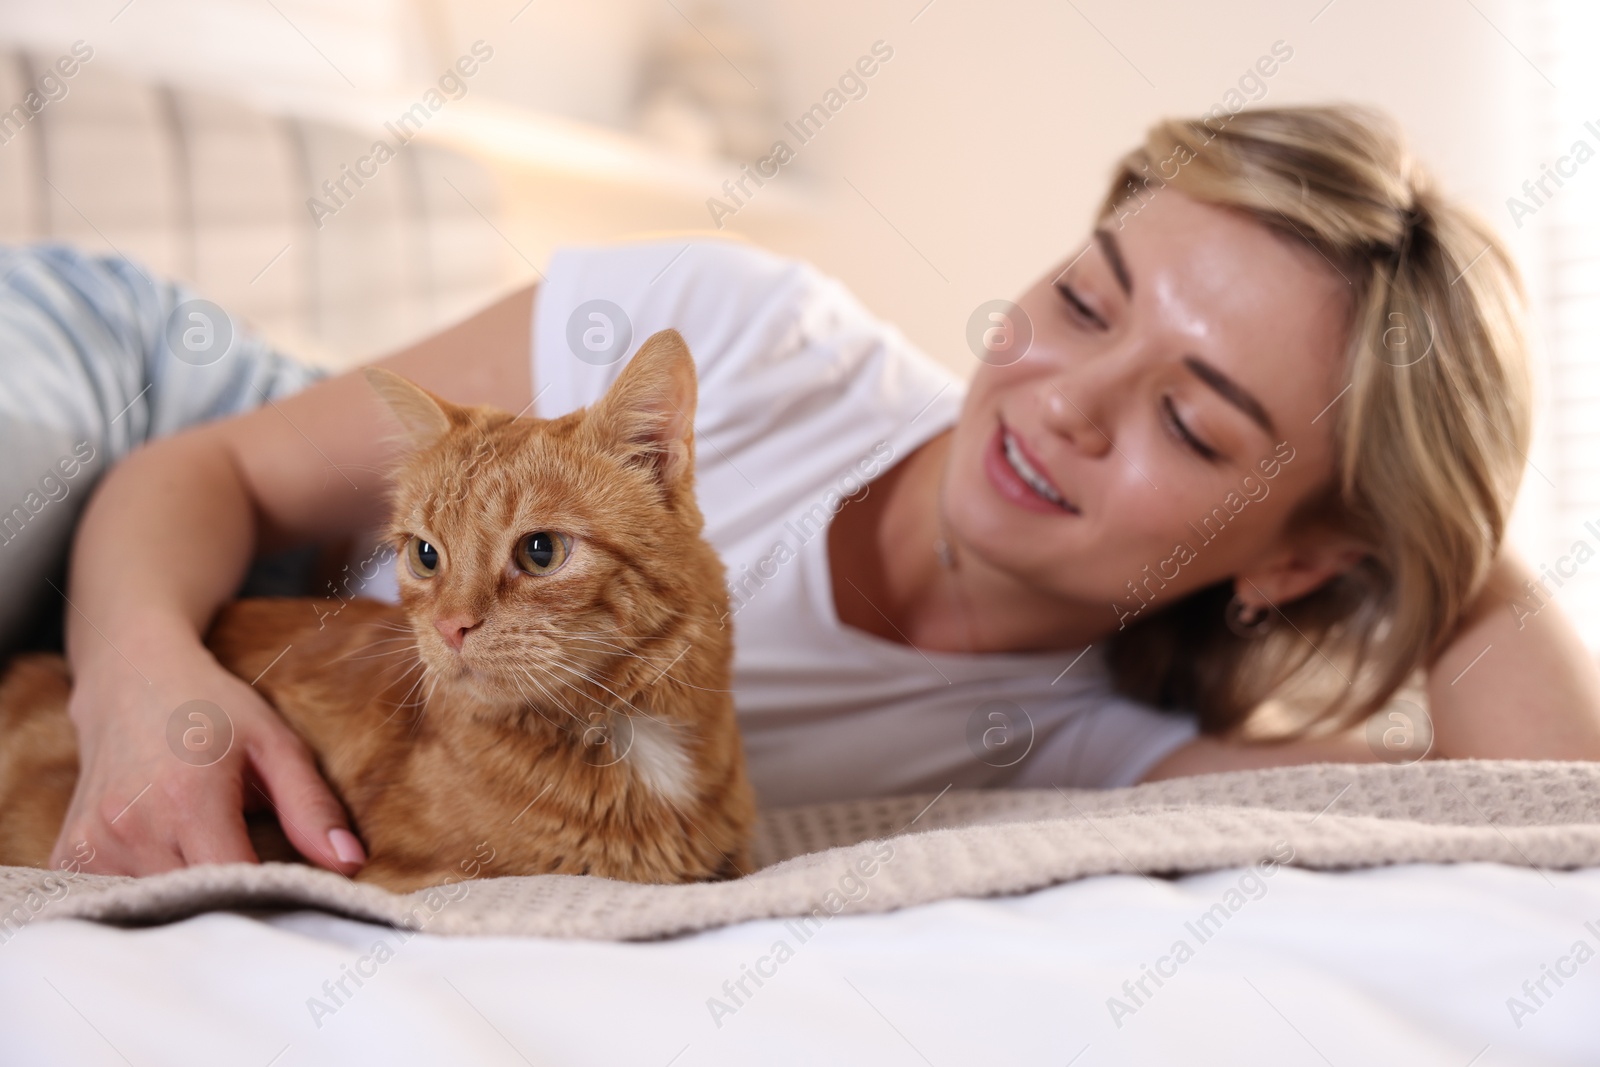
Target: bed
[(1445, 913)]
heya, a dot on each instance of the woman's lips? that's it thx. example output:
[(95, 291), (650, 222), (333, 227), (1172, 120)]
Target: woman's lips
[(1011, 485)]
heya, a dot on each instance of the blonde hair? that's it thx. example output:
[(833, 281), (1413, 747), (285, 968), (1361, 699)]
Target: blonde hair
[(1430, 437)]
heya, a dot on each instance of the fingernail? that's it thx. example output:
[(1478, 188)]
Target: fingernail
[(346, 847)]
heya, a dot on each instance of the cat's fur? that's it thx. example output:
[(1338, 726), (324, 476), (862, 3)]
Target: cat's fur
[(585, 727)]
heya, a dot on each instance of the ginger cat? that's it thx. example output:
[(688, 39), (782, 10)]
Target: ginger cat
[(553, 686)]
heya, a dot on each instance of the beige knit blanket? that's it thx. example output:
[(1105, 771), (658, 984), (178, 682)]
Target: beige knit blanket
[(878, 855)]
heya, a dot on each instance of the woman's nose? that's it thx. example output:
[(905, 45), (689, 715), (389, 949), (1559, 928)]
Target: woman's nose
[(1072, 406)]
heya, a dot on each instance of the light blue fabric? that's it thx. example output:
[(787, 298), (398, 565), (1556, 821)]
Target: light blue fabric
[(87, 374)]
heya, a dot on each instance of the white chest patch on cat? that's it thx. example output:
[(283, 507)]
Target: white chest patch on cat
[(659, 759)]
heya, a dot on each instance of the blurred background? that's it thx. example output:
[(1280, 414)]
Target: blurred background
[(198, 135)]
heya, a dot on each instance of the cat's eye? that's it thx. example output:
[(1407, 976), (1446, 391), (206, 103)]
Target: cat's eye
[(422, 558), (543, 552)]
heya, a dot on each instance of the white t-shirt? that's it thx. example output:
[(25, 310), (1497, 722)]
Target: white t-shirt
[(803, 397)]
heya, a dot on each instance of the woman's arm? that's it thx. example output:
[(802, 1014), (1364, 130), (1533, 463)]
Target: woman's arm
[(166, 540), (1209, 755), (1516, 681)]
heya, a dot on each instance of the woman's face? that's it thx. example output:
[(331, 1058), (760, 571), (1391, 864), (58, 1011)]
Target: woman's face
[(1176, 403)]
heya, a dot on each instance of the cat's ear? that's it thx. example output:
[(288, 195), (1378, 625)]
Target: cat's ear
[(649, 410), (419, 411)]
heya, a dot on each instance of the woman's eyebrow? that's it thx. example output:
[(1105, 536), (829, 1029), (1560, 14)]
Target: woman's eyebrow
[(1113, 254), (1232, 392)]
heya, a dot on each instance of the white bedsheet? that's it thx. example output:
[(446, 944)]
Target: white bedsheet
[(1408, 965)]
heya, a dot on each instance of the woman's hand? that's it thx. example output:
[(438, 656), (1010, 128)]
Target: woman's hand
[(153, 795)]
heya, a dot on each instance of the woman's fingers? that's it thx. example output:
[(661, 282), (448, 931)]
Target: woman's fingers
[(311, 816), (158, 789), (212, 828), (187, 815), (153, 815), (93, 845)]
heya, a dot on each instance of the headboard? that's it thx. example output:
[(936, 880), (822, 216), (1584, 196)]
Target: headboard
[(214, 191)]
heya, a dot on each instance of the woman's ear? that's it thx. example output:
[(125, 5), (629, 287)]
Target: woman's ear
[(1311, 561)]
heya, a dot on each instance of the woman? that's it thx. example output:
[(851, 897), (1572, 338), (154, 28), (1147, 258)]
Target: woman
[(1264, 438)]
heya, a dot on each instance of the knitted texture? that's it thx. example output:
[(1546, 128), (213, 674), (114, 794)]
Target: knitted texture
[(878, 855)]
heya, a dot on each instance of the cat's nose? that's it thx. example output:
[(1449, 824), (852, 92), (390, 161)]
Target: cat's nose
[(454, 629)]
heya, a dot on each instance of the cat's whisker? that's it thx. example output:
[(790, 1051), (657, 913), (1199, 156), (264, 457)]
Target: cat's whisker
[(564, 682), (403, 632), (645, 659), (567, 629), (405, 701), (422, 705), (615, 630), (376, 655), (614, 648), (595, 681), (424, 710), (652, 662), (611, 648), (569, 636), (390, 717), (410, 664), (603, 630), (619, 650), (532, 702), (557, 703), (384, 655), (415, 665), (407, 636), (410, 654)]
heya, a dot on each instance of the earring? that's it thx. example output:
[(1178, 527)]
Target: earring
[(1247, 620)]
